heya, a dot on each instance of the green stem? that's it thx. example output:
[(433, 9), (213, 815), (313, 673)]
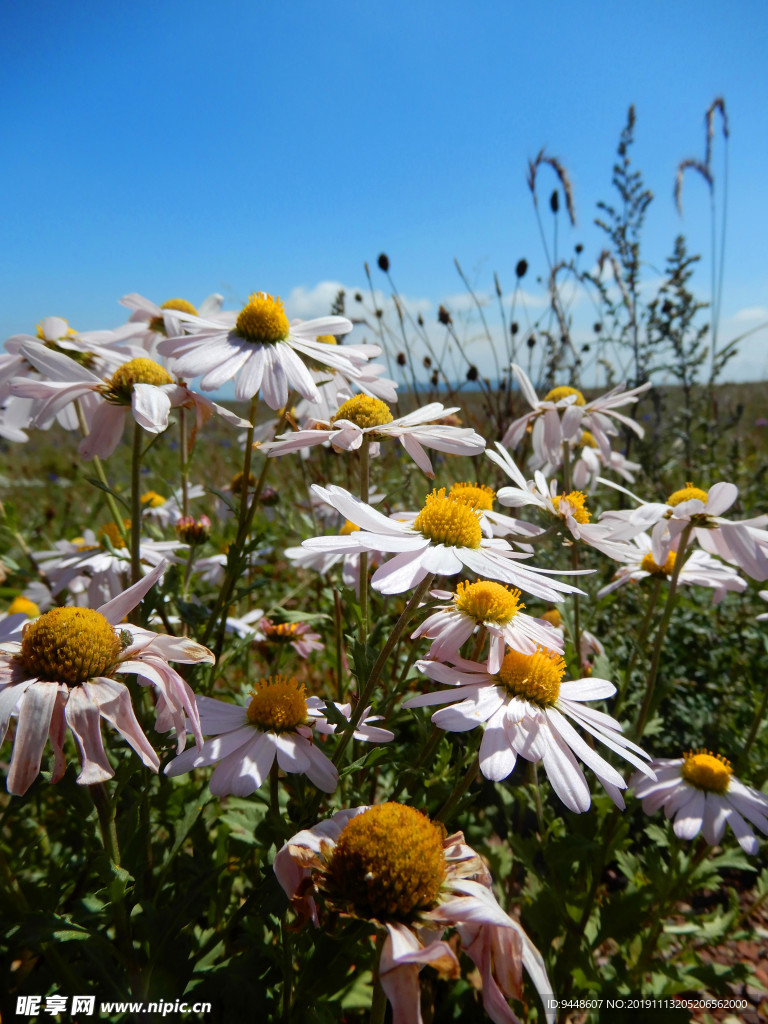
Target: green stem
[(184, 460), (274, 789), (117, 516), (458, 791), (136, 505), (364, 482), (639, 641), (661, 633), (378, 666), (757, 721)]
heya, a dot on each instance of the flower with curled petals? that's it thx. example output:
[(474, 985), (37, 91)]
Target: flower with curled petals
[(442, 538), (391, 866), (743, 543), (525, 709), (262, 351), (244, 741), (365, 418), (701, 794), (62, 676)]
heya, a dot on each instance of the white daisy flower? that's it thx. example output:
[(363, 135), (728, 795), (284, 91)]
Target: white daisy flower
[(570, 508), (365, 417), (365, 731), (444, 538), (141, 385), (244, 741), (701, 793), (743, 543), (99, 564), (61, 676), (644, 557), (564, 413), (525, 708), (391, 866), (489, 605), (261, 350), (149, 323)]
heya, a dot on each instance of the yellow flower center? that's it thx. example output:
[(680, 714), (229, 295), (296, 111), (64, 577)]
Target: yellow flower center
[(181, 304), (281, 632), (135, 371), (536, 677), (685, 494), (152, 499), (553, 617), (476, 495), (348, 528), (556, 394), (326, 339), (364, 411), (486, 601), (648, 565), (23, 604), (278, 704), (69, 645), (577, 501), (448, 521), (158, 324), (388, 863), (588, 439), (111, 532), (706, 770), (263, 320)]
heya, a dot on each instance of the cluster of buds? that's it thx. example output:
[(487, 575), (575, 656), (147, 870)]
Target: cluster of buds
[(193, 531)]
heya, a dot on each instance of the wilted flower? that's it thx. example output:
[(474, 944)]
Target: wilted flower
[(390, 865)]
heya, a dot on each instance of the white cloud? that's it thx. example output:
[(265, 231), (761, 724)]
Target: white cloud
[(750, 314)]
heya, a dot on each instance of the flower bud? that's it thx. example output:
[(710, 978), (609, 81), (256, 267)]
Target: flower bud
[(193, 531)]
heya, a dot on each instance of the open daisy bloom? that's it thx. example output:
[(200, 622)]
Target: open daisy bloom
[(742, 542), (489, 605), (390, 865), (525, 708), (443, 538), (701, 793), (140, 385), (262, 350), (364, 417), (61, 675), (244, 741), (562, 415)]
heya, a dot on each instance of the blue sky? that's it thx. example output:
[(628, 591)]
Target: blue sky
[(176, 149)]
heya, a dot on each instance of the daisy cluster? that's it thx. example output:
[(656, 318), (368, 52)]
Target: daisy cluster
[(379, 595)]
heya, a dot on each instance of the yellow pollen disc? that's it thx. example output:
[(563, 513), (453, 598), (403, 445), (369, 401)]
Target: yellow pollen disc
[(69, 645), (588, 439), (279, 704), (388, 863), (23, 604), (448, 521), (486, 601), (553, 617), (364, 411), (112, 533), (536, 677), (181, 305), (476, 495), (136, 371), (281, 632), (152, 499), (706, 770), (685, 494), (577, 501), (556, 394), (263, 320), (648, 565), (348, 528), (326, 339)]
